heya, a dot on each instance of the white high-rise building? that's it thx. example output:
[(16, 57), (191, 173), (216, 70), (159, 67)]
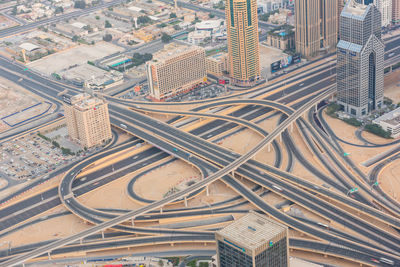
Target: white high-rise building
[(385, 7)]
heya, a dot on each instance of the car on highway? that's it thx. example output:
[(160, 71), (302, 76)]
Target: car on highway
[(123, 126)]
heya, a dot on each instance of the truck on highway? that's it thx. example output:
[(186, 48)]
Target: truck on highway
[(387, 261)]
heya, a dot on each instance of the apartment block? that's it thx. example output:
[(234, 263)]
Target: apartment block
[(87, 118), (175, 69)]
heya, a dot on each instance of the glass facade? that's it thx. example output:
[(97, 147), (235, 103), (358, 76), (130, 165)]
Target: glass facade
[(360, 60), (230, 256)]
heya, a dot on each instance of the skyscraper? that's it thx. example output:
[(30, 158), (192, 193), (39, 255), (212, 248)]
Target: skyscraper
[(360, 59), (396, 11), (385, 7), (242, 27), (253, 240), (316, 26)]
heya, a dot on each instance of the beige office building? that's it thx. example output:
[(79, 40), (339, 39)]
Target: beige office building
[(217, 64), (88, 121), (243, 43), (254, 240), (316, 26), (175, 69)]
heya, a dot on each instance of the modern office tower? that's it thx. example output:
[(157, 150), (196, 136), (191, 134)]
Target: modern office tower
[(385, 7), (316, 26), (88, 121), (253, 240), (175, 69), (360, 59), (396, 11), (242, 28)]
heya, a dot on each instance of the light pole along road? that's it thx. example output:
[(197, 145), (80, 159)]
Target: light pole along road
[(231, 167)]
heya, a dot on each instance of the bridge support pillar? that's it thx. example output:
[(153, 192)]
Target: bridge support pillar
[(269, 147), (207, 191), (280, 137), (48, 254), (291, 127), (185, 200), (133, 222), (81, 241), (102, 234), (233, 174), (161, 210)]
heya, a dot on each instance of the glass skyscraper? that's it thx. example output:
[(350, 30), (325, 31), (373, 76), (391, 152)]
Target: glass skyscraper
[(360, 59), (253, 241)]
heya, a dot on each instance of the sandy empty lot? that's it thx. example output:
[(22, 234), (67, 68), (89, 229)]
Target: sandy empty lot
[(75, 56), (392, 86)]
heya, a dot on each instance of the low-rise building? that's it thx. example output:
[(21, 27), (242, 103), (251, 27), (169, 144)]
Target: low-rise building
[(175, 69), (217, 64), (390, 122), (87, 118), (282, 39), (146, 37), (212, 26), (198, 37)]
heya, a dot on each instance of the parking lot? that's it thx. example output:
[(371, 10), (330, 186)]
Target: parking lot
[(200, 93), (31, 156)]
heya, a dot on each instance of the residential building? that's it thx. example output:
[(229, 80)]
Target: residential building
[(243, 45), (385, 7), (360, 59), (316, 26), (396, 11), (217, 64), (390, 122), (87, 118), (253, 240), (175, 69)]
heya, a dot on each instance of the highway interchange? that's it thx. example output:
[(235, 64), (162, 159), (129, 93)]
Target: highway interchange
[(302, 94)]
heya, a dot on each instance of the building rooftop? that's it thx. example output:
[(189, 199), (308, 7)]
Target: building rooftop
[(355, 9), (392, 118), (208, 24), (84, 101), (172, 50), (349, 46), (252, 230), (218, 57), (29, 46)]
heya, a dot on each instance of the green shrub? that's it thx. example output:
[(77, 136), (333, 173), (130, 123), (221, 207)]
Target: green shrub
[(353, 121), (377, 129), (332, 109)]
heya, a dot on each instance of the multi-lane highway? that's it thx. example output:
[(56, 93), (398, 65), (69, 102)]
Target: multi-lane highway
[(216, 163)]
